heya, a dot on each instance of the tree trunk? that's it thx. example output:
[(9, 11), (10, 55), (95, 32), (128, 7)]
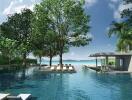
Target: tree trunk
[(50, 61), (9, 60), (61, 58), (61, 52), (40, 60), (24, 60)]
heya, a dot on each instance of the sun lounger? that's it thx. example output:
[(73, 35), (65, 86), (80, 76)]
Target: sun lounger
[(3, 96), (19, 97), (64, 68), (24, 96), (71, 68), (58, 68), (52, 68)]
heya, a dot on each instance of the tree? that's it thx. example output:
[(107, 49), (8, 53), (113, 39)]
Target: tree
[(51, 49), (123, 29), (67, 19), (7, 48), (40, 28), (127, 13), (39, 54), (18, 28)]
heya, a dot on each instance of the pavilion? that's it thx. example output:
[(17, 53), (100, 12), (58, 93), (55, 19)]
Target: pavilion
[(122, 60)]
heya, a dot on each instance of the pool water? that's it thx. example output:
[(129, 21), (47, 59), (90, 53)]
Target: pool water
[(83, 85)]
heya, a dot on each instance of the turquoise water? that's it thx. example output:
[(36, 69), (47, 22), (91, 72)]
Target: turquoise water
[(83, 62), (83, 85)]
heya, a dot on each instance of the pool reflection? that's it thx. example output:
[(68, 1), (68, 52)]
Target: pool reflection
[(83, 85)]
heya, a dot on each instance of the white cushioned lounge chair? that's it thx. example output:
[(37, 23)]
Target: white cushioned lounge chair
[(19, 97), (58, 67), (71, 68), (52, 67), (64, 68), (3, 96), (25, 96)]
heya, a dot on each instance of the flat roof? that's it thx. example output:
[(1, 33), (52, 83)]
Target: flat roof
[(103, 54)]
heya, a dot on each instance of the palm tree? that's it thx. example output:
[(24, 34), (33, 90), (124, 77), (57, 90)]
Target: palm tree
[(121, 30)]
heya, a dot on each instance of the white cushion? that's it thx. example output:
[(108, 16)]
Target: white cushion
[(2, 96), (70, 68), (52, 68), (58, 68), (64, 68), (24, 96)]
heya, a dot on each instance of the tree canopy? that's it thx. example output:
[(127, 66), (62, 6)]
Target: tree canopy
[(65, 19), (50, 30), (18, 28), (123, 29)]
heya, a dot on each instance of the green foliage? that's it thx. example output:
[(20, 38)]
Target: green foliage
[(31, 61), (123, 29), (18, 26), (18, 29), (16, 61), (111, 63), (3, 60), (55, 22), (8, 48), (127, 13), (53, 27)]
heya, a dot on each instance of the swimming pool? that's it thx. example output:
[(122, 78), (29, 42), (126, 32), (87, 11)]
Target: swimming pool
[(83, 85)]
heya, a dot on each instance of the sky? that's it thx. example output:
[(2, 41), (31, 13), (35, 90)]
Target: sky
[(102, 13)]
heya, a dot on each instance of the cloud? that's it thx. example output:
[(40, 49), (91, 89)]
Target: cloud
[(20, 0), (32, 0), (8, 9), (90, 3), (117, 15), (19, 8), (16, 6), (112, 6), (117, 6), (114, 1), (107, 29), (121, 7)]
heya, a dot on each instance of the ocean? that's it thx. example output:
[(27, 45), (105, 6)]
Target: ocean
[(74, 62)]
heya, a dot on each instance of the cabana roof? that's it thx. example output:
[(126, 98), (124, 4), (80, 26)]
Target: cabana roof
[(111, 54)]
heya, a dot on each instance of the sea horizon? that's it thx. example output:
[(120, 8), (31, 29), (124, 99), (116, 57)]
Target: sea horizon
[(73, 62)]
